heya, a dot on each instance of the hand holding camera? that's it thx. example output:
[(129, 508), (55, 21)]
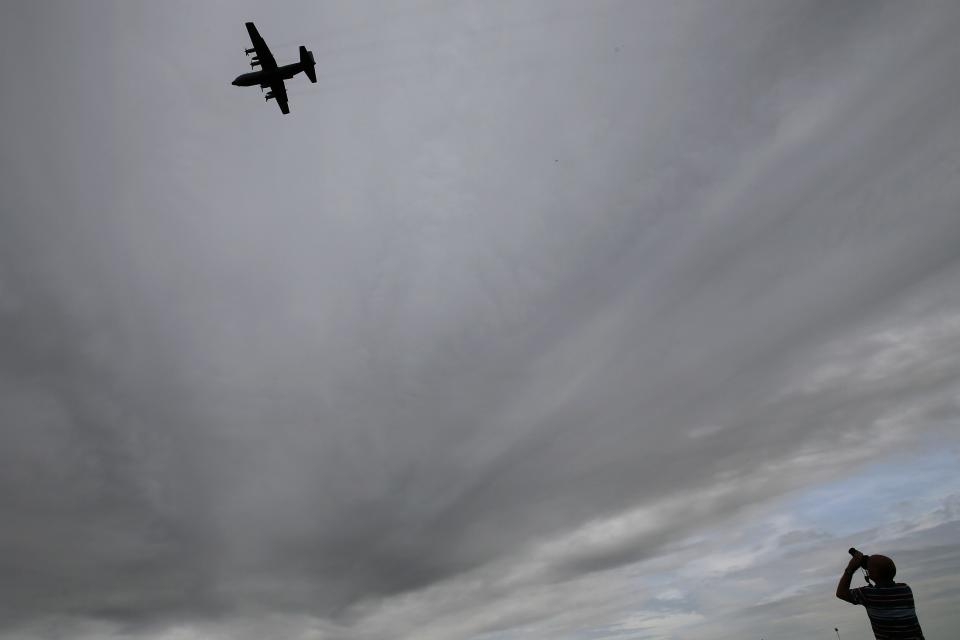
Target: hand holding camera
[(858, 561)]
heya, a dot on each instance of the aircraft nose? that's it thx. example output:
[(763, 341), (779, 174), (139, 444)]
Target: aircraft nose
[(236, 82)]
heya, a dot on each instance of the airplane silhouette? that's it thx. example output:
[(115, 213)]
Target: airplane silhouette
[(270, 75)]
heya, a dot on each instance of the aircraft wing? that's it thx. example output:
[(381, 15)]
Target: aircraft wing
[(263, 52), (280, 95)]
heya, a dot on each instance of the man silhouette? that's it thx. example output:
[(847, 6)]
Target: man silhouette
[(889, 604)]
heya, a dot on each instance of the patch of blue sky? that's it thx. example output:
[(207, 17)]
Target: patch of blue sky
[(893, 488)]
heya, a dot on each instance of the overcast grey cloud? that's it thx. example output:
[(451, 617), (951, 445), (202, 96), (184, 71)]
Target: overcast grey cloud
[(541, 319)]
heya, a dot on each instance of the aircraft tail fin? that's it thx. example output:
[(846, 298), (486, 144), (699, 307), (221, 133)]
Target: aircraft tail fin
[(308, 64)]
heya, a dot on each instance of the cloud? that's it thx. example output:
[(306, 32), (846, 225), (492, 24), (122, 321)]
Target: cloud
[(799, 536), (518, 314)]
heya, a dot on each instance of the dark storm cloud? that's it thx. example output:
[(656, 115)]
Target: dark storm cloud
[(505, 278)]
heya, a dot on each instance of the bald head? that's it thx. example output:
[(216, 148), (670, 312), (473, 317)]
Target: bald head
[(881, 568)]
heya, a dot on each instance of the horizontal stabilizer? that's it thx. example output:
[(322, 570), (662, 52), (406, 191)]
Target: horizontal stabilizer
[(308, 64)]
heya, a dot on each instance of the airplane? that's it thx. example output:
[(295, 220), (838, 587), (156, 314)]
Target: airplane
[(270, 75)]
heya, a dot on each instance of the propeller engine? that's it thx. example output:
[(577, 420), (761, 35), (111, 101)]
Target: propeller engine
[(249, 51), (269, 95)]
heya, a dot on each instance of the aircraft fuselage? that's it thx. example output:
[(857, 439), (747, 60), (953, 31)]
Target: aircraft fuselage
[(265, 77)]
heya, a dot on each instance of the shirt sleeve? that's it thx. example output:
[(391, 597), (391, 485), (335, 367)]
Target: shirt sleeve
[(856, 596)]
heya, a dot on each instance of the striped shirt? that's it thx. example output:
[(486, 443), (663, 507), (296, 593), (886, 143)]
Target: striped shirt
[(891, 611)]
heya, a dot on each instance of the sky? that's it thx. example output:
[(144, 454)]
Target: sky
[(553, 319)]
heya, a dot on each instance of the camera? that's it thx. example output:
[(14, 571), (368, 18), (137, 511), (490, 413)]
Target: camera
[(863, 560)]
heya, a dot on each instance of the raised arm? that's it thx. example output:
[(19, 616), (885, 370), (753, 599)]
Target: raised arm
[(843, 588)]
